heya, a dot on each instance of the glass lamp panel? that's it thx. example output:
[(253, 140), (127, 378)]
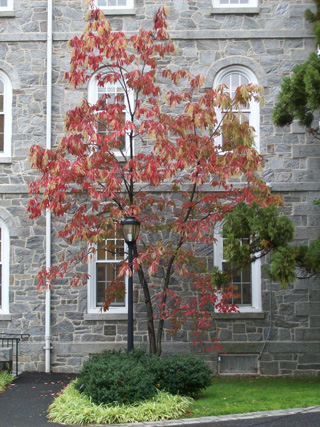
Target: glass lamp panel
[(131, 232)]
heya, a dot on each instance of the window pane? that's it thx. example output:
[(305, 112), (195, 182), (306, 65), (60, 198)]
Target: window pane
[(101, 253), (1, 103), (233, 2), (0, 268), (111, 3), (106, 273), (241, 281), (3, 3), (115, 95), (111, 250), (236, 278), (246, 274), (1, 133), (246, 293), (119, 249), (101, 284)]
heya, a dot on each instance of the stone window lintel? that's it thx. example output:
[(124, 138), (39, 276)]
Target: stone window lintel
[(7, 14)]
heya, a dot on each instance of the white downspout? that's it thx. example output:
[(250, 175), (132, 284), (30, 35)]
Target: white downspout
[(47, 347)]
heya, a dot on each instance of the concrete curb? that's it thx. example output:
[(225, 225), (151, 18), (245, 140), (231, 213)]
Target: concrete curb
[(204, 420)]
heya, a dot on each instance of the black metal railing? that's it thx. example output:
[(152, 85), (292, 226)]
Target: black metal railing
[(12, 340)]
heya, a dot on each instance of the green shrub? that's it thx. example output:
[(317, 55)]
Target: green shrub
[(182, 374), (113, 376), (6, 378)]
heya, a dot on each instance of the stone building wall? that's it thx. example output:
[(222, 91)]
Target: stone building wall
[(270, 43)]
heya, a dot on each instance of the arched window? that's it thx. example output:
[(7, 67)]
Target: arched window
[(246, 282), (103, 269), (5, 115), (115, 94), (4, 268), (235, 76)]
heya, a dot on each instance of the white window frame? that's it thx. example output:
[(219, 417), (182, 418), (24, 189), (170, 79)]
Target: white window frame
[(93, 98), (7, 111), (93, 308), (254, 106), (9, 6), (256, 303), (5, 262), (251, 3), (129, 5)]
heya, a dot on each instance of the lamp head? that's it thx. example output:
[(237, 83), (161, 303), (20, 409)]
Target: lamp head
[(130, 229)]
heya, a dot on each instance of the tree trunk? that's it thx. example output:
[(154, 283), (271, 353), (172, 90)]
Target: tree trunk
[(147, 301)]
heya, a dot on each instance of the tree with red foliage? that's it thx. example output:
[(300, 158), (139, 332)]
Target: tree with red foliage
[(160, 164)]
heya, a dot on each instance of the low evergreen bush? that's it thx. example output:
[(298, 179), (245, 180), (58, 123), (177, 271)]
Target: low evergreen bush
[(182, 374), (115, 376)]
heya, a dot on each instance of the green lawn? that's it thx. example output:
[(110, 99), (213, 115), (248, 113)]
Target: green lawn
[(241, 395), (225, 396)]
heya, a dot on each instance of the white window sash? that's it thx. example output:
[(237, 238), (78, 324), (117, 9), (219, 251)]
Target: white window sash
[(5, 261), (254, 106), (7, 112), (218, 4), (93, 98), (92, 306), (129, 5), (256, 303)]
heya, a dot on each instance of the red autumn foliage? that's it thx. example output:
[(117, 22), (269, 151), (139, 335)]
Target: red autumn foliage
[(171, 173)]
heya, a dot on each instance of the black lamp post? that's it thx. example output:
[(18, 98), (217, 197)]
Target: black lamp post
[(130, 231)]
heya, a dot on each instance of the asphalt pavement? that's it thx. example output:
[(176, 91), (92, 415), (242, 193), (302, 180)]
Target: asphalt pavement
[(25, 404)]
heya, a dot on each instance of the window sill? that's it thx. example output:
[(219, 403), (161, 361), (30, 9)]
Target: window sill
[(108, 12), (7, 14), (106, 316), (242, 315), (5, 316), (235, 10), (5, 159)]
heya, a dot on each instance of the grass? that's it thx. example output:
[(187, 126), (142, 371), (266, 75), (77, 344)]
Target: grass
[(241, 395), (72, 407), (224, 396), (5, 379)]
